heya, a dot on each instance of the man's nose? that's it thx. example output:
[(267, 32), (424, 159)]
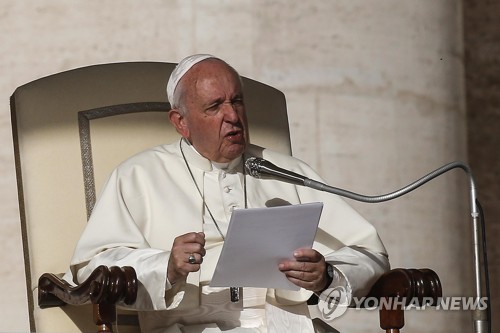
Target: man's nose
[(230, 112)]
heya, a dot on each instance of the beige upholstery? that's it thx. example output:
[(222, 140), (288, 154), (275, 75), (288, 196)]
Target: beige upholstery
[(48, 152)]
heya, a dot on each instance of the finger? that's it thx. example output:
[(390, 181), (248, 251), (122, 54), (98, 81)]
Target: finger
[(309, 285), (308, 280), (302, 270), (304, 266), (181, 248), (181, 255), (184, 245), (303, 276), (178, 267), (194, 258), (191, 237), (191, 248), (306, 254), (200, 238)]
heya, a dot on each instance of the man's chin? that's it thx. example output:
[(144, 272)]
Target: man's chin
[(235, 151)]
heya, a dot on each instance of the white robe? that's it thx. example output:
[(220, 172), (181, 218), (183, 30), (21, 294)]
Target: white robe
[(151, 198)]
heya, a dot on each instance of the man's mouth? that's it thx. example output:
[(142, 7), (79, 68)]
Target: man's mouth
[(235, 135)]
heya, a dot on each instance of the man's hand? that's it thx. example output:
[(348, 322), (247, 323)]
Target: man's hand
[(184, 246), (308, 271)]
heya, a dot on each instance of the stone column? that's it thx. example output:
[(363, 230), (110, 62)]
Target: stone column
[(482, 69)]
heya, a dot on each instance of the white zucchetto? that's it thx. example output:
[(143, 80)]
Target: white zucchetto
[(181, 69)]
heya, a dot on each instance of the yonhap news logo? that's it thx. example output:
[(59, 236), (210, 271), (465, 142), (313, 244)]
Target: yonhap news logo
[(337, 300), (335, 303)]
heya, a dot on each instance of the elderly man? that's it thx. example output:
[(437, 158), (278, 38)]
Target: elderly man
[(168, 209)]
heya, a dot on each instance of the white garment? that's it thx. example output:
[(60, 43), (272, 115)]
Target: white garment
[(151, 198), (222, 192)]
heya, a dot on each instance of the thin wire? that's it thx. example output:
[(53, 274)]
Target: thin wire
[(199, 191)]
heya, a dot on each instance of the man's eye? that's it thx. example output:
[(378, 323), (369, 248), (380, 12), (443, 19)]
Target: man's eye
[(214, 107), (238, 102)]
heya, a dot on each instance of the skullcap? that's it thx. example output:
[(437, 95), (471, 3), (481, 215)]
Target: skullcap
[(181, 69)]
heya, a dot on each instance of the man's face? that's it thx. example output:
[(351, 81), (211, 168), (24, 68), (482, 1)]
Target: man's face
[(214, 118)]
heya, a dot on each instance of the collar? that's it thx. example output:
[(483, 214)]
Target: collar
[(194, 158)]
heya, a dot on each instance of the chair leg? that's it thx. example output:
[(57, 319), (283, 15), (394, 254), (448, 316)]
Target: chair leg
[(392, 320), (104, 317)]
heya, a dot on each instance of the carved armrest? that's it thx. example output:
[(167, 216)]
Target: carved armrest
[(403, 287), (104, 288), (104, 285)]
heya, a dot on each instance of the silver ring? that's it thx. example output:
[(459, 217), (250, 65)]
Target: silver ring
[(192, 259)]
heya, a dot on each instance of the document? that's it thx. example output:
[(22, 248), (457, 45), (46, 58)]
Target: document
[(258, 239)]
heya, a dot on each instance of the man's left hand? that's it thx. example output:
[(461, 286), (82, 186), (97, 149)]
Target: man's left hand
[(308, 271)]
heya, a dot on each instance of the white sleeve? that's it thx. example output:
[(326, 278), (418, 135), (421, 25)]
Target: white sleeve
[(150, 266), (357, 270), (113, 237)]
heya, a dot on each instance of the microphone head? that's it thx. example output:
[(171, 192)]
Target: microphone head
[(260, 168), (252, 165)]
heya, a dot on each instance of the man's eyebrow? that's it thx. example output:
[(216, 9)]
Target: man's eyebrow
[(213, 102), (236, 96)]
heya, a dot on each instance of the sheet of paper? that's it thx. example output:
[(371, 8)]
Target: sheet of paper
[(258, 239)]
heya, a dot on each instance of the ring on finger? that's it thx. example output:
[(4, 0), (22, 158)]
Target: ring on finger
[(192, 259)]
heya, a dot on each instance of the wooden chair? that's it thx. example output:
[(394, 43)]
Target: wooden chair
[(406, 285), (70, 130)]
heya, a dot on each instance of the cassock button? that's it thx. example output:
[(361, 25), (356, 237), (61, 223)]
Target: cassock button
[(227, 189)]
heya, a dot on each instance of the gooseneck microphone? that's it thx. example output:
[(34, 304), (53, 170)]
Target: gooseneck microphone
[(260, 168)]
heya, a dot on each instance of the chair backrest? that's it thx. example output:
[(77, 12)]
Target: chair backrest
[(85, 122)]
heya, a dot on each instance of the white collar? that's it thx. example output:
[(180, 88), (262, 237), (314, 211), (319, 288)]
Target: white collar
[(196, 159)]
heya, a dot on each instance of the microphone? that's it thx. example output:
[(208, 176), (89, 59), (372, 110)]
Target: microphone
[(258, 167)]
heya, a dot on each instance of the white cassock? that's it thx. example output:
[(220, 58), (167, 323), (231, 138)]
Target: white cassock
[(152, 198)]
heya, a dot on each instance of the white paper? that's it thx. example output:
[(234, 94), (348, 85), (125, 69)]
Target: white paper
[(258, 239)]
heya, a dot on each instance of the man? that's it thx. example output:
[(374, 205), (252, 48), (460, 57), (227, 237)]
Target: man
[(167, 212)]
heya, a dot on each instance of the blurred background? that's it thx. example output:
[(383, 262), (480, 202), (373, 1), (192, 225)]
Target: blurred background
[(379, 93)]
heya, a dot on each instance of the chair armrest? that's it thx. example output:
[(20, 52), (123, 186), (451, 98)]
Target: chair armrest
[(399, 288), (418, 287), (104, 286), (413, 286)]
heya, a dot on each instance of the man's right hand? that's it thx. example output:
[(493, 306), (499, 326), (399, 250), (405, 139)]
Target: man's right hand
[(192, 243)]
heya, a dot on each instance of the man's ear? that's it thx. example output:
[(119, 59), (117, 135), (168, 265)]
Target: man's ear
[(179, 121)]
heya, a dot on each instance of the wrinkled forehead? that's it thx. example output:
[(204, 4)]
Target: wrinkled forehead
[(213, 73)]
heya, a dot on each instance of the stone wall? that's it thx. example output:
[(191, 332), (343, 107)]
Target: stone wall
[(375, 93)]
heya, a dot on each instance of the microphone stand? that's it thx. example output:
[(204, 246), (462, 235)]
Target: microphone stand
[(480, 317)]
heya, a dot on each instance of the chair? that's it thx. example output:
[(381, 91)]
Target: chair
[(70, 130)]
